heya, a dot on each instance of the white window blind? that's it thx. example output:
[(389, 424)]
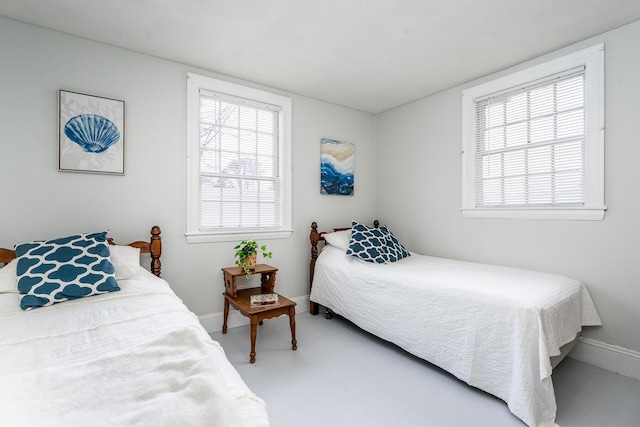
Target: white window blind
[(533, 141), (530, 144), (239, 164)]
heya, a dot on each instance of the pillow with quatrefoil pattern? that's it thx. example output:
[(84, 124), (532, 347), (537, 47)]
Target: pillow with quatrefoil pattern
[(64, 269), (395, 250), (367, 243)]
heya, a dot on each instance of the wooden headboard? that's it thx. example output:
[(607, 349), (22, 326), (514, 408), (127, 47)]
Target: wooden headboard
[(152, 247), (315, 237)]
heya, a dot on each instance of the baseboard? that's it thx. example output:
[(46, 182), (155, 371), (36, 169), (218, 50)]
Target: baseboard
[(213, 322), (606, 356)]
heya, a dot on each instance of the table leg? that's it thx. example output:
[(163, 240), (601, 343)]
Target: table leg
[(292, 323), (226, 315), (254, 332)]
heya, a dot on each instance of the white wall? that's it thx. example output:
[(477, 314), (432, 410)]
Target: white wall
[(424, 139), (38, 202), (410, 178)]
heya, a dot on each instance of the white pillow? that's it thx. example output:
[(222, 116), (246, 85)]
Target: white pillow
[(339, 239), (8, 278), (125, 260)]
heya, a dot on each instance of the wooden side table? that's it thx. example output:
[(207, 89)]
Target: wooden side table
[(267, 278), (242, 303)]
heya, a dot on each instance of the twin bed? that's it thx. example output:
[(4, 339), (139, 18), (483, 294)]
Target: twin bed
[(137, 356), (496, 328)]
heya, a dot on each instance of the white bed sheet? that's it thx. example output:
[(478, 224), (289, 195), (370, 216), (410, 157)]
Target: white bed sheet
[(133, 357), (492, 327)]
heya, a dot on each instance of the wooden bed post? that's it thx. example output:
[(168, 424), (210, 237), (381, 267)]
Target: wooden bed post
[(314, 237), (6, 255), (155, 249)]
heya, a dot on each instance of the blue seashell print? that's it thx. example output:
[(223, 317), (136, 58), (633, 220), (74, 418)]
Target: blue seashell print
[(92, 132)]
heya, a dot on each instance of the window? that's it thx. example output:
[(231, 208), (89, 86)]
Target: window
[(239, 162), (533, 142)]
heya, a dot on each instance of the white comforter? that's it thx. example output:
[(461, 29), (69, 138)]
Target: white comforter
[(493, 327), (137, 357)]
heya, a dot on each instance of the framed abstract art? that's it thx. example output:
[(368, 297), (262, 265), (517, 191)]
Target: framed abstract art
[(336, 167)]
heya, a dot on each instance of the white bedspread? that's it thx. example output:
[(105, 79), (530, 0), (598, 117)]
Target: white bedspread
[(492, 327), (137, 357)]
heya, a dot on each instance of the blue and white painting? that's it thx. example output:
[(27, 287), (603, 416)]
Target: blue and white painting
[(91, 134), (336, 167)]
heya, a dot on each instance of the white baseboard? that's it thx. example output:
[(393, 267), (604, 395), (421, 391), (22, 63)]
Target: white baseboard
[(213, 322), (606, 356)]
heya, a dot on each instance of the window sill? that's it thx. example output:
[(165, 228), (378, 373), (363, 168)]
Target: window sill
[(210, 237), (594, 214)]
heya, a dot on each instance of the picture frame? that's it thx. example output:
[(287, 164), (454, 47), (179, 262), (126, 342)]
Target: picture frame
[(91, 135), (336, 167)]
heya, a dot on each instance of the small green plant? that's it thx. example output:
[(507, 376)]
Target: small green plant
[(246, 254)]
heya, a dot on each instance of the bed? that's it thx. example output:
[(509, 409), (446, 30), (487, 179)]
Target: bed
[(498, 329), (135, 356)]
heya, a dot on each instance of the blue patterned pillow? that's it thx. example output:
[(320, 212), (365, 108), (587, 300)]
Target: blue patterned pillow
[(395, 250), (367, 243), (63, 269)]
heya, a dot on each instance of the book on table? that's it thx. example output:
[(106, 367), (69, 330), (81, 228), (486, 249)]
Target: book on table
[(261, 300)]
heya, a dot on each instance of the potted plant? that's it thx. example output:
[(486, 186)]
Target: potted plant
[(247, 253)]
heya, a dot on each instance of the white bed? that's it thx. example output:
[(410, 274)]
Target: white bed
[(136, 357), (493, 327)]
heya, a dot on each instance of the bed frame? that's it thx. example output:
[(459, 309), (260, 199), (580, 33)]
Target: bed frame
[(152, 247), (315, 237)]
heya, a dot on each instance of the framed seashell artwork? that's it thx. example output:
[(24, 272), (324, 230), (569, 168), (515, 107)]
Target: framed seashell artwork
[(91, 137)]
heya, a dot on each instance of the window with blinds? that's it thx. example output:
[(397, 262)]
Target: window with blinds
[(530, 144), (533, 141), (239, 162)]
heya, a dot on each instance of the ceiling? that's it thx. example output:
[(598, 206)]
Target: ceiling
[(371, 55)]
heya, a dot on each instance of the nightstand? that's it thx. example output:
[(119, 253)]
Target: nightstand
[(241, 301)]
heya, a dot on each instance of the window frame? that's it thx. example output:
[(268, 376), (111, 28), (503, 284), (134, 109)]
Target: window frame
[(592, 59), (194, 234)]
